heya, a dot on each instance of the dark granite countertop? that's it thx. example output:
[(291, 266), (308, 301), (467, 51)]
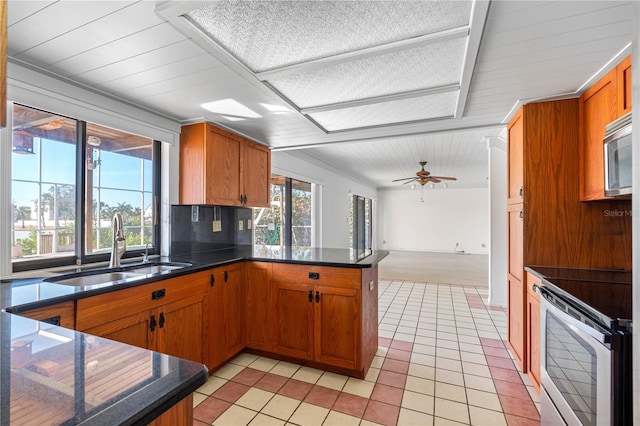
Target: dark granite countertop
[(60, 376), (606, 291)]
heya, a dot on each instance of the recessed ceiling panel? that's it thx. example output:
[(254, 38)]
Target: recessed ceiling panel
[(265, 35), (425, 67), (398, 111)]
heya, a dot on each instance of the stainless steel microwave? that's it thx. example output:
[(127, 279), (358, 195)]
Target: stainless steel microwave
[(617, 157)]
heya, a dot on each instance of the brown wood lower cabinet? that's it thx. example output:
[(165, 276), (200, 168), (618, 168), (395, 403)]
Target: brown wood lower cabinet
[(516, 340), (319, 315), (258, 315), (224, 314), (164, 316), (533, 331)]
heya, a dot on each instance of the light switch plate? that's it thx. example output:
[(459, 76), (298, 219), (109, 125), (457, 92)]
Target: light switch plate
[(217, 226), (240, 225), (248, 223)]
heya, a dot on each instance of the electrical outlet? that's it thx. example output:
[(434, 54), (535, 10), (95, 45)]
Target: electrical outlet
[(248, 223), (240, 225), (217, 226)]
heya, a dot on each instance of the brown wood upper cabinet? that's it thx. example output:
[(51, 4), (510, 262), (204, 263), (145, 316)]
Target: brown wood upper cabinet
[(222, 168), (602, 103)]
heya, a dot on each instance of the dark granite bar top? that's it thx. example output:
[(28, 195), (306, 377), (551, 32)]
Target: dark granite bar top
[(53, 375), (62, 376), (605, 291)]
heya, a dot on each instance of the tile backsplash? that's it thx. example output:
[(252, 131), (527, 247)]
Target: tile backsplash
[(205, 228)]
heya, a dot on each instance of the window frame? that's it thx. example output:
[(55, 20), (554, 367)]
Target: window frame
[(79, 256)]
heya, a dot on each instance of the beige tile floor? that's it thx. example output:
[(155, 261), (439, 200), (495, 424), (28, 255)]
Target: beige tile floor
[(441, 361)]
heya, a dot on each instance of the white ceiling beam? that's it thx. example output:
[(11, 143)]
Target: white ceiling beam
[(379, 99), (369, 52), (479, 14)]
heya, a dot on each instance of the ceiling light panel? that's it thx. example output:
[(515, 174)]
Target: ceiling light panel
[(398, 111), (266, 35), (388, 74)]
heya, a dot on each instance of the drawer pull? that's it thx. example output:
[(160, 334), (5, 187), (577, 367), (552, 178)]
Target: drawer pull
[(314, 275), (158, 294), (53, 320)]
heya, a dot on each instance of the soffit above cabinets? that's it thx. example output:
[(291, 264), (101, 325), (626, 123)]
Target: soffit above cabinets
[(334, 63)]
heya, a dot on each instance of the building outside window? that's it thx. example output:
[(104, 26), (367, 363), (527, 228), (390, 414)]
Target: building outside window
[(67, 172), (290, 222)]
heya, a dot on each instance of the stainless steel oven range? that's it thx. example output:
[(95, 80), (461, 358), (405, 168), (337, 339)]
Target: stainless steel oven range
[(585, 346)]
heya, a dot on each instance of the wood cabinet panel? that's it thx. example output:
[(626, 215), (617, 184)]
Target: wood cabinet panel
[(221, 168), (180, 329), (233, 279), (598, 107), (63, 313), (180, 414), (294, 319), (132, 329), (516, 324), (256, 174), (516, 229), (623, 77), (533, 331), (516, 158), (92, 311), (336, 326), (259, 313), (323, 275)]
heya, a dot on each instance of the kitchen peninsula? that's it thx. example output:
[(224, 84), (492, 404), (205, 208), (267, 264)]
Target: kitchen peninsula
[(320, 309)]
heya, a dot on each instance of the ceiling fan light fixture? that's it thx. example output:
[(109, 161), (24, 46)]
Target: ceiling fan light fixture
[(431, 185)]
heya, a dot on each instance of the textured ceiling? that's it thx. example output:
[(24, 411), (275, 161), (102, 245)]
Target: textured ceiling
[(369, 87)]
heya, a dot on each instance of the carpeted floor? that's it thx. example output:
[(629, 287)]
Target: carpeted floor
[(433, 267)]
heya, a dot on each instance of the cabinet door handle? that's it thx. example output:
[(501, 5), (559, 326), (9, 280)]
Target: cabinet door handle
[(152, 323), (521, 192), (521, 214), (53, 320), (158, 294), (317, 297), (212, 281), (161, 322), (226, 276), (310, 296)]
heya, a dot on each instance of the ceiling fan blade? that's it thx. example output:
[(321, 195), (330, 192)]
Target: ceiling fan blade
[(444, 177), (398, 180), (409, 181), (433, 179)]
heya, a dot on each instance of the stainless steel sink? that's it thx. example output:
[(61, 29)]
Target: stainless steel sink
[(132, 272), (95, 278), (157, 268)]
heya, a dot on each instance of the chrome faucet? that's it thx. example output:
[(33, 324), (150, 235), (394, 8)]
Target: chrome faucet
[(145, 256), (117, 250)]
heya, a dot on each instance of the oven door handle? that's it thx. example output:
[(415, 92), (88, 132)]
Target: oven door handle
[(580, 327)]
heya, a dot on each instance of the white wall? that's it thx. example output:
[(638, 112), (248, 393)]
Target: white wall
[(446, 217), (336, 188), (499, 232)]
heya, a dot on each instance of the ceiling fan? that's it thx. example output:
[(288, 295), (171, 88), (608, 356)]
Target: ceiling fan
[(423, 177)]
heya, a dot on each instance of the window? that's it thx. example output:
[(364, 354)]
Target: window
[(361, 225), (67, 172), (290, 222)]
